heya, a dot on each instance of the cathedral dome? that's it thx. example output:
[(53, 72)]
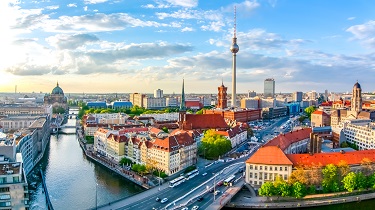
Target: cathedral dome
[(357, 85), (57, 90)]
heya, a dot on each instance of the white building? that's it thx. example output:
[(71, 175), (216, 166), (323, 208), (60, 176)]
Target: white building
[(158, 93), (250, 103), (173, 116), (154, 103), (360, 132)]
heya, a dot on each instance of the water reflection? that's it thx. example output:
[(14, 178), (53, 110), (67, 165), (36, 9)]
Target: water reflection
[(71, 178)]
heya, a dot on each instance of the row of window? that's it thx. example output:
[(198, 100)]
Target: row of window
[(266, 176), (275, 168)]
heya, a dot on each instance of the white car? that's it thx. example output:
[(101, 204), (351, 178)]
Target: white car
[(195, 208), (185, 208), (216, 192), (204, 174), (164, 200)]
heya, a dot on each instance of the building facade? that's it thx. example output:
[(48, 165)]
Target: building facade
[(222, 97), (269, 87)]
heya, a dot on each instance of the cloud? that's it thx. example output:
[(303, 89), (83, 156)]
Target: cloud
[(213, 26), (63, 41), (187, 29), (365, 33), (243, 7), (184, 3), (85, 8), (351, 18), (52, 7), (94, 1), (84, 23), (72, 5)]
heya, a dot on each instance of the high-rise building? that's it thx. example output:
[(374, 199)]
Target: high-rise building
[(269, 87), (312, 95), (222, 97), (182, 104), (251, 94), (326, 95), (137, 99), (297, 96), (234, 49), (356, 103), (158, 93)]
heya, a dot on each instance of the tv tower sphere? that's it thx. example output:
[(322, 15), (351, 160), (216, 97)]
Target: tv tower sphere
[(234, 48)]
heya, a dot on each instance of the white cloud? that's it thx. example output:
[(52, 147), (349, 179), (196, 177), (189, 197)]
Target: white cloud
[(94, 1), (72, 5), (351, 18), (243, 7), (213, 26), (184, 3), (365, 33), (187, 29), (85, 8), (63, 41), (52, 7)]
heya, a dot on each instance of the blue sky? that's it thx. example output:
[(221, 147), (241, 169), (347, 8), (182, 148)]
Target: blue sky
[(142, 45)]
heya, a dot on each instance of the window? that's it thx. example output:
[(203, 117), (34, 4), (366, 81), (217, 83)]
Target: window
[(2, 204), (265, 168), (4, 197), (256, 175), (260, 167), (260, 183), (265, 176), (285, 177), (3, 180), (286, 168), (255, 182), (256, 167), (251, 175), (281, 168), (270, 168), (260, 175), (275, 168), (251, 167)]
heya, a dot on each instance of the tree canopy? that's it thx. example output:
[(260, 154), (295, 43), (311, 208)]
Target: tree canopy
[(214, 145), (309, 110)]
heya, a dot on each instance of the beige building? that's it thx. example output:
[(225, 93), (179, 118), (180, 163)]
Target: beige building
[(250, 103), (266, 164), (154, 103), (137, 99), (319, 119), (14, 193), (25, 109)]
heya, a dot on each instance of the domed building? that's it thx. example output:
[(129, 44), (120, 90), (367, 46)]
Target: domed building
[(56, 98)]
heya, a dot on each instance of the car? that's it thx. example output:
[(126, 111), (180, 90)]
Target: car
[(204, 174), (220, 183), (157, 199), (216, 192), (200, 199), (164, 200), (185, 208), (195, 208)]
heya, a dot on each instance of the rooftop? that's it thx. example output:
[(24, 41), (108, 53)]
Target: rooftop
[(271, 155)]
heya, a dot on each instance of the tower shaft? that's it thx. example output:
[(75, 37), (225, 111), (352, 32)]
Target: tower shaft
[(234, 80)]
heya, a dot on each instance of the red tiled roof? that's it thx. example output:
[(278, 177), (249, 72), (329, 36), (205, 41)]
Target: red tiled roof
[(130, 130), (327, 103), (269, 155), (190, 104), (286, 139), (205, 121), (118, 138), (319, 112), (351, 158), (175, 141)]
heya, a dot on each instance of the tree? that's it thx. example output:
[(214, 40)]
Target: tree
[(329, 182), (165, 129), (367, 166), (371, 180), (350, 182), (125, 161), (200, 111), (309, 110), (267, 189), (299, 190), (250, 133), (298, 175), (343, 169), (315, 175), (361, 180), (282, 187), (214, 145)]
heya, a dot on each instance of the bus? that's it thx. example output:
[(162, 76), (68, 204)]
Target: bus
[(176, 181), (229, 180), (192, 174)]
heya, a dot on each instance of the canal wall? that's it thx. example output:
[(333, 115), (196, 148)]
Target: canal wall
[(319, 200), (48, 200), (131, 176)]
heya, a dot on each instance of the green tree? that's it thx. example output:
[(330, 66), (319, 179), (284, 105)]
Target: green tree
[(58, 110), (125, 161), (299, 190), (165, 129), (343, 169), (299, 175), (309, 110), (267, 189), (361, 180), (350, 182), (330, 178), (214, 145), (371, 180), (200, 111)]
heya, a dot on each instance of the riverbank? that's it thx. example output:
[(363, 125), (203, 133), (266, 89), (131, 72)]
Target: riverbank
[(130, 175), (246, 200)]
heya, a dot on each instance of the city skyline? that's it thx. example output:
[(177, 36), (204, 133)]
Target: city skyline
[(98, 46)]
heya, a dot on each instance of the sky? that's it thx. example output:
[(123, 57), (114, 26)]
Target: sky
[(125, 46)]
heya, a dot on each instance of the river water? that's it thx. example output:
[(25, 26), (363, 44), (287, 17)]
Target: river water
[(73, 181)]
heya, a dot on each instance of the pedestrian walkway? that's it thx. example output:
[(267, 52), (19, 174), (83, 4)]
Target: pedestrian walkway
[(226, 197)]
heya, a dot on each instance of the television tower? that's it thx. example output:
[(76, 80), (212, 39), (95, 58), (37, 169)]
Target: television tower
[(234, 49)]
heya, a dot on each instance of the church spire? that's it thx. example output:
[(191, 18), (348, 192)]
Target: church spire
[(182, 105)]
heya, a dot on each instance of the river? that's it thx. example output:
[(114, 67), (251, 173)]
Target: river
[(73, 181)]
